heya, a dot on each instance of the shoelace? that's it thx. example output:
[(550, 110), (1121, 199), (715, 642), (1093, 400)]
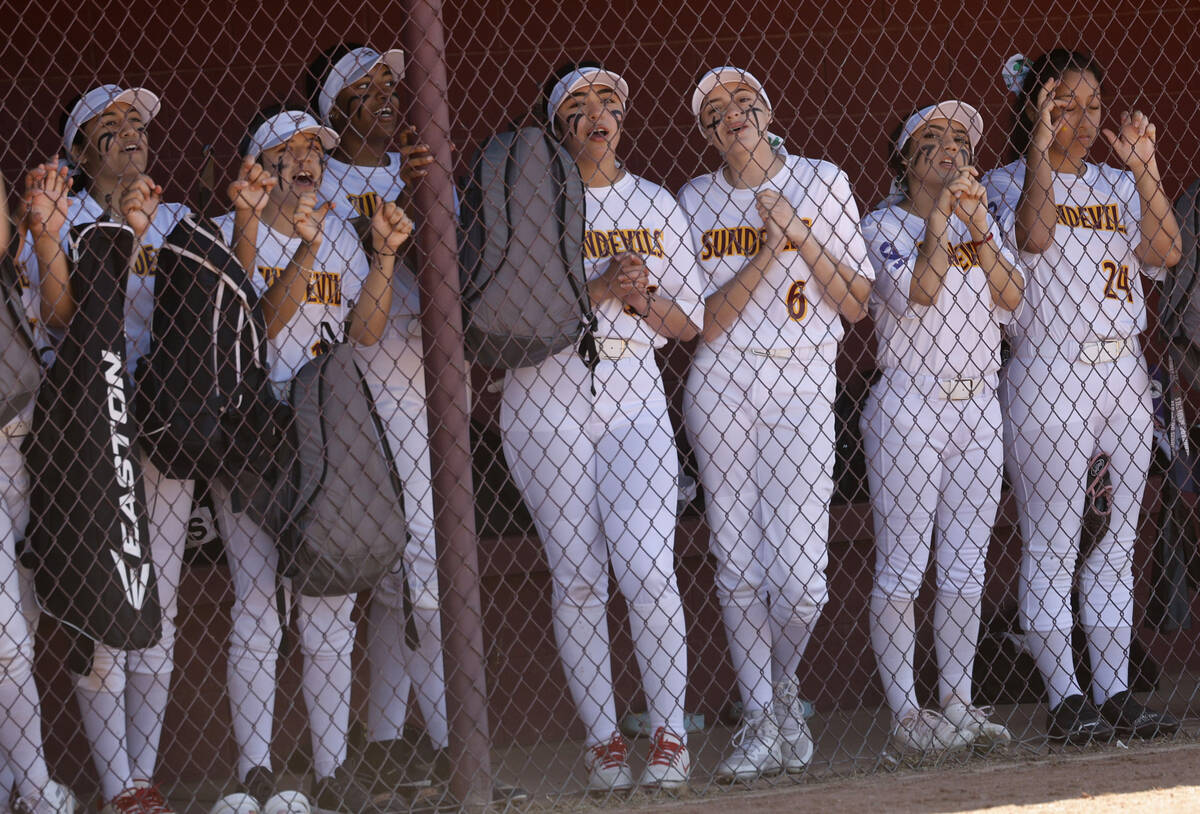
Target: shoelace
[(612, 753), (129, 801), (748, 731), (151, 800), (667, 748)]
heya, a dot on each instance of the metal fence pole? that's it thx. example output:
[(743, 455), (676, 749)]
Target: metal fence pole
[(447, 377)]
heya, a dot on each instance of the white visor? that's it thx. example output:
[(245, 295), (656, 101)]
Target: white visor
[(951, 110), (353, 67), (725, 75), (98, 100), (580, 78), (282, 126)]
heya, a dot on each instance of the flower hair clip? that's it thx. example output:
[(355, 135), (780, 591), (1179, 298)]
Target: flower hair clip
[(1016, 68)]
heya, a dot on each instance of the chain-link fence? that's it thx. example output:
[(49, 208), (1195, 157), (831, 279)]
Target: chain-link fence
[(729, 487)]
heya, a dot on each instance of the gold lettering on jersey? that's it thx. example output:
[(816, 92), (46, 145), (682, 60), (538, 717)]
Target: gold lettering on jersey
[(742, 241), (963, 255), (608, 243), (146, 262), (366, 204), (324, 287), (1100, 217)]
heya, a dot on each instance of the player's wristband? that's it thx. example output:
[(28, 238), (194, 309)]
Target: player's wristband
[(975, 244)]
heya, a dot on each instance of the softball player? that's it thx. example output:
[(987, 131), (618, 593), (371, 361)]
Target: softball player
[(1077, 383), (357, 95), (124, 698), (306, 264), (21, 749), (592, 451), (783, 261), (931, 425)]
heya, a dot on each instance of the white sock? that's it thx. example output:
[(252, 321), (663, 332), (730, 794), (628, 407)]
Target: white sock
[(1051, 651), (747, 628), (1108, 650), (21, 731), (894, 640), (251, 683), (101, 696), (389, 684), (146, 698), (325, 680), (428, 672), (583, 645), (956, 635), (327, 642), (661, 648), (788, 643)]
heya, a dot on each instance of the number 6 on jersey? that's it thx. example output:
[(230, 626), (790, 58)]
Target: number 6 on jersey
[(797, 304)]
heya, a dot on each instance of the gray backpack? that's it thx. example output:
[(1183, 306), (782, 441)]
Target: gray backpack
[(343, 527), (521, 252), (20, 370)]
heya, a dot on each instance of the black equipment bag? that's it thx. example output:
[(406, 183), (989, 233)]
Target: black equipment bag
[(88, 534)]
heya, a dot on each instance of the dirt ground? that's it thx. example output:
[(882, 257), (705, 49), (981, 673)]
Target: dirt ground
[(1142, 778)]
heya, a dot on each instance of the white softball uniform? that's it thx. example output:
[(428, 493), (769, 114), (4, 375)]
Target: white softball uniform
[(324, 624), (597, 468), (931, 424), (123, 733), (395, 370), (759, 412), (1077, 384), (932, 436)]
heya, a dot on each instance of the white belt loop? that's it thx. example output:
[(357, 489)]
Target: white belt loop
[(959, 389), (612, 349), (1104, 350)]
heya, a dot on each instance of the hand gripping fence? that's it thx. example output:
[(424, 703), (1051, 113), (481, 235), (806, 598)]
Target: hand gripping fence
[(543, 406)]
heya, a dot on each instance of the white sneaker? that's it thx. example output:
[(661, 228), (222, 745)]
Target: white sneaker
[(795, 740), (756, 751), (670, 762), (56, 799), (973, 723), (239, 803), (926, 731), (607, 765)]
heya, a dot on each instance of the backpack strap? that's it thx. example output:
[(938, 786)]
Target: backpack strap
[(588, 349)]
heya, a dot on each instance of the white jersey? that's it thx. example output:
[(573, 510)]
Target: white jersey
[(336, 280), (956, 337), (357, 191), (785, 311), (1087, 284), (638, 216), (139, 287)]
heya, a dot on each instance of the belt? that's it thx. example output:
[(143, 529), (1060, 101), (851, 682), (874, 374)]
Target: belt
[(960, 389), (1103, 351), (770, 353), (17, 428), (611, 349)]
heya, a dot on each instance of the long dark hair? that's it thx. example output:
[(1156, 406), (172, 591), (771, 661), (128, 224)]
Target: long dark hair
[(80, 180), (1051, 65)]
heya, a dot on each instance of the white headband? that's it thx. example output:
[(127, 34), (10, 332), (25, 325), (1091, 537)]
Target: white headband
[(282, 126), (725, 75), (98, 100), (579, 78), (352, 67), (959, 112)]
